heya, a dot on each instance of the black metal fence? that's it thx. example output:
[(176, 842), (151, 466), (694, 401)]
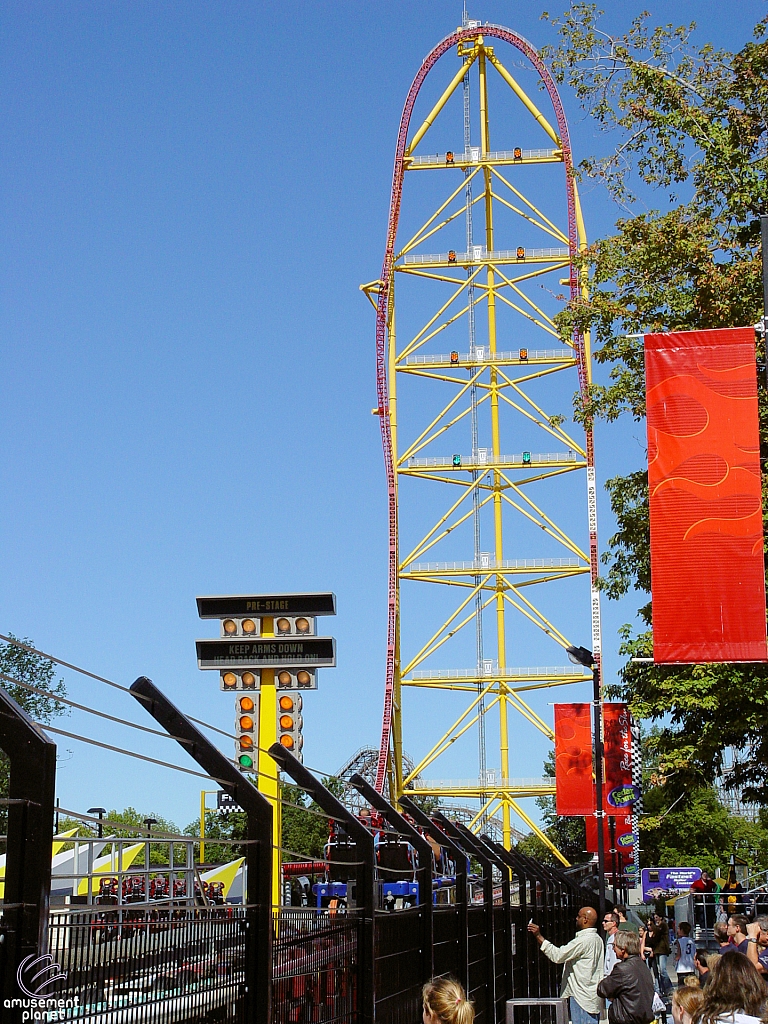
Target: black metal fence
[(398, 978), (315, 962), (360, 961)]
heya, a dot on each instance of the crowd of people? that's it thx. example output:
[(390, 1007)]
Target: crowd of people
[(627, 973), (624, 974)]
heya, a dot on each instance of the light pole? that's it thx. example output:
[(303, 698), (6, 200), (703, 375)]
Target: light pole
[(101, 811), (581, 656), (149, 822)]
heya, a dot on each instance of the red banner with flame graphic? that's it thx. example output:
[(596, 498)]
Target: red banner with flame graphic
[(573, 759), (707, 569)]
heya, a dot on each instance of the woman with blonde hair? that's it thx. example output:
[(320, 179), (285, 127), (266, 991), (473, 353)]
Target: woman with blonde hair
[(686, 1003), (445, 1002)]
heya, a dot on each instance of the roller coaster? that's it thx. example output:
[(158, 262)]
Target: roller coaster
[(464, 377)]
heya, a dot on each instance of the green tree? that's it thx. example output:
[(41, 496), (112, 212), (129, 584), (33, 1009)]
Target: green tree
[(695, 829), (19, 669), (135, 830), (305, 827), (688, 124), (229, 827)]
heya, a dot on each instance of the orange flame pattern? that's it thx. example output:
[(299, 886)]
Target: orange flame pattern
[(707, 572)]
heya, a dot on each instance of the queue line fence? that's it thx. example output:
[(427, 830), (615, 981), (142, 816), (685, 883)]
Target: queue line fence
[(167, 953)]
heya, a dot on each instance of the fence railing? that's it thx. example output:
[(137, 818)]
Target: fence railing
[(315, 961), (135, 943), (159, 965)]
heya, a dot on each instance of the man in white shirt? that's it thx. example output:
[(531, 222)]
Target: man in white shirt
[(610, 927), (584, 966)]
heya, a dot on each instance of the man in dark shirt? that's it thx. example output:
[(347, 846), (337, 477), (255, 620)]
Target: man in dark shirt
[(737, 933), (629, 986)]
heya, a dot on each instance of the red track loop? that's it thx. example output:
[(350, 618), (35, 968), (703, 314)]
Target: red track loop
[(496, 32)]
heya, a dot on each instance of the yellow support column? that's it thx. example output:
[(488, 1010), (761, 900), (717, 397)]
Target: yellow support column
[(485, 144), (268, 778)]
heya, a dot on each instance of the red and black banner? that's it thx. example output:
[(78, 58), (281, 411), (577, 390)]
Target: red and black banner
[(707, 568), (618, 790), (624, 839)]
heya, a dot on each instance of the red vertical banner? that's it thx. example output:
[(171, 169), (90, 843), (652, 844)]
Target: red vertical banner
[(617, 757), (707, 566), (573, 759)]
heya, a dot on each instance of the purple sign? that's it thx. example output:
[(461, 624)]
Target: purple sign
[(664, 883)]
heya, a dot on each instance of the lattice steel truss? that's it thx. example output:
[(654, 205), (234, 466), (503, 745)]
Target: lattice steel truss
[(482, 280)]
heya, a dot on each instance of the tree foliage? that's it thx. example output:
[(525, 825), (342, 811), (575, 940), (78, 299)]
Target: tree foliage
[(695, 828), (688, 129), (19, 669)]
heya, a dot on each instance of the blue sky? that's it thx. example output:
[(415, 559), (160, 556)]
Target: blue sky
[(192, 195)]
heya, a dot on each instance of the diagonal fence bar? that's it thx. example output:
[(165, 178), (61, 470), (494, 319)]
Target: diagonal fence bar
[(258, 857)]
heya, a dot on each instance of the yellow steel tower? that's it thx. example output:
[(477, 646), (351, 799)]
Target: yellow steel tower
[(477, 369)]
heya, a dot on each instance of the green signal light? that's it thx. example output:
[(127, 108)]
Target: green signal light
[(245, 761)]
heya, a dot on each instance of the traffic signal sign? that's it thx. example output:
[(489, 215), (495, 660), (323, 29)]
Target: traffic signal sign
[(296, 679), (245, 680), (246, 731), (248, 626), (289, 723), (295, 625)]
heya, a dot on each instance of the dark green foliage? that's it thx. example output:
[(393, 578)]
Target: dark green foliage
[(689, 131), (698, 831), (32, 670), (135, 830)]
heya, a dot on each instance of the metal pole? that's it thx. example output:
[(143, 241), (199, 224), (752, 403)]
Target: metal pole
[(258, 856), (599, 813), (614, 865), (31, 801), (202, 826), (465, 838), (462, 969)]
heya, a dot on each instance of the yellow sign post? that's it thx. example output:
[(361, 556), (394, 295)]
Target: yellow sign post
[(268, 777)]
